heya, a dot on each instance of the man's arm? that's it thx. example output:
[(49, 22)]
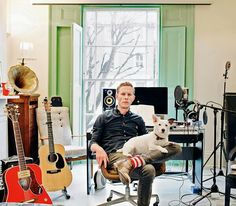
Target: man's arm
[(101, 155)]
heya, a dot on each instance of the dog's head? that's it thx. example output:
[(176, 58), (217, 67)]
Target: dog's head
[(161, 127)]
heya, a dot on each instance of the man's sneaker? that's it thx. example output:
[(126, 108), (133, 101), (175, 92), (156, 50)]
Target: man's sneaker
[(124, 167)]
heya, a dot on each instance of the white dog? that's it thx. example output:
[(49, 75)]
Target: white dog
[(154, 140)]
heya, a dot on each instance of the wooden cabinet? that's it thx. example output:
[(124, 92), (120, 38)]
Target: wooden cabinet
[(28, 125)]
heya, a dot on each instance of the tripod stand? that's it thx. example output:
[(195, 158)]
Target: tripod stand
[(222, 132), (214, 187)]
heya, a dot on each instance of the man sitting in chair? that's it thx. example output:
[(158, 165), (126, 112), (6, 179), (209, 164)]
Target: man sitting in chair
[(110, 132)]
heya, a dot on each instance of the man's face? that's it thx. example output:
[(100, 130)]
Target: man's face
[(125, 97)]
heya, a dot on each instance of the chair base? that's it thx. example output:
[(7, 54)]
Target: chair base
[(127, 197)]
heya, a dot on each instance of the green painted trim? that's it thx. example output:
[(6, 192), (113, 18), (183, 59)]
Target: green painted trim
[(189, 81), (60, 17), (50, 54), (161, 47), (185, 18)]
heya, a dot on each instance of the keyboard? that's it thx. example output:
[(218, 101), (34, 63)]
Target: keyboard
[(186, 130)]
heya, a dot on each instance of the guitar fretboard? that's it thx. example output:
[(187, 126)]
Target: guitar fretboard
[(19, 146), (1, 179), (50, 133)]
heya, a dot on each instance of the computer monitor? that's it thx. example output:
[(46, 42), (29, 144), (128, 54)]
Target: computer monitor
[(156, 96)]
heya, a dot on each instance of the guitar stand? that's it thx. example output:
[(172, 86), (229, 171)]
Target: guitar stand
[(64, 191), (64, 194)]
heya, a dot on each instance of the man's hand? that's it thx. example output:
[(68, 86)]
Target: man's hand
[(101, 155)]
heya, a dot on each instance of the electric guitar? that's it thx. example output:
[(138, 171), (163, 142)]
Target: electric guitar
[(23, 183), (55, 171)]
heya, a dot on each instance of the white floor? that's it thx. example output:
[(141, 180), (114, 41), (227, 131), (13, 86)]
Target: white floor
[(173, 190)]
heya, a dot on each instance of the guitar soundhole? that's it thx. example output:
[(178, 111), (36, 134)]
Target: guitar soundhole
[(52, 157), (60, 163), (25, 183)]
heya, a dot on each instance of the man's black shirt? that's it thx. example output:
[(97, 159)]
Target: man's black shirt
[(112, 129)]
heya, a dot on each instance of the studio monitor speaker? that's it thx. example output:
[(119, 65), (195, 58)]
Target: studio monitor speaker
[(109, 99), (230, 121)]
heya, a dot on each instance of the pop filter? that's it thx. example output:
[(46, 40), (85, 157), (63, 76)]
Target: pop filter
[(178, 93)]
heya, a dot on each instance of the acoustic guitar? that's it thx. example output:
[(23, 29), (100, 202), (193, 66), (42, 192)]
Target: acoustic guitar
[(23, 183), (55, 171)]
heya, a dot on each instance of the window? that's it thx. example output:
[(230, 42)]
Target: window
[(120, 44)]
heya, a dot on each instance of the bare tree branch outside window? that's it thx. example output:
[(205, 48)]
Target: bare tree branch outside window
[(112, 42)]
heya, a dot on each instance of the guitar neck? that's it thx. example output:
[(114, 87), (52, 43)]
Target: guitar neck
[(50, 133), (19, 146)]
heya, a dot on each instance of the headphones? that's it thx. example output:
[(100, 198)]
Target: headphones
[(193, 113)]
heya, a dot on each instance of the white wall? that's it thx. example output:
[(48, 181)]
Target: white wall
[(215, 44), (28, 23), (2, 38)]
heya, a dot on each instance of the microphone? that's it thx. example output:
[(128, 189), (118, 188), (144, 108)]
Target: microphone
[(205, 117), (227, 65)]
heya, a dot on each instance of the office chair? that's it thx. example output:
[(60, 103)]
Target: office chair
[(61, 133), (112, 175)]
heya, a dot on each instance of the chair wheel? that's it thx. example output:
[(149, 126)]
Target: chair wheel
[(156, 204), (109, 199)]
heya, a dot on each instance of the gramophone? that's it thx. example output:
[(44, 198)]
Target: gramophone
[(22, 79)]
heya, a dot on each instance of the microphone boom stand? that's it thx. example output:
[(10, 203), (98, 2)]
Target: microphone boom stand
[(222, 132), (214, 187)]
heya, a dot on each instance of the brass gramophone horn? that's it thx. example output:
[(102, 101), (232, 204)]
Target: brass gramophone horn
[(23, 79)]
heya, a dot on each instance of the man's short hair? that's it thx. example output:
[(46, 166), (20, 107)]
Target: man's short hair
[(123, 84)]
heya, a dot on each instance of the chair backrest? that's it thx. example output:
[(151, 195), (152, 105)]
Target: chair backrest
[(60, 124)]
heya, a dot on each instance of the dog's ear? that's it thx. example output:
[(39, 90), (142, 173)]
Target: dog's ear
[(155, 118)]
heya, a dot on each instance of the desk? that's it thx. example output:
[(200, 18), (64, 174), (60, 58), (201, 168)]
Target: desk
[(192, 149)]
